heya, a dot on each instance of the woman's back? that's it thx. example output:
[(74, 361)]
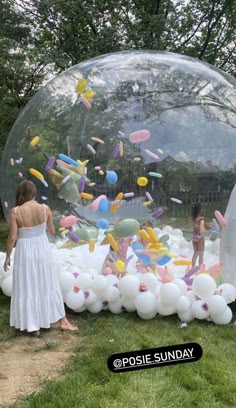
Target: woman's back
[(30, 214)]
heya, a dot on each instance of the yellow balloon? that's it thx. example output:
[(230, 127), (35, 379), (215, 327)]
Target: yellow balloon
[(82, 84), (91, 245), (142, 181), (114, 244), (89, 94), (86, 196), (120, 265), (35, 141), (36, 174), (119, 196), (182, 262), (152, 234)]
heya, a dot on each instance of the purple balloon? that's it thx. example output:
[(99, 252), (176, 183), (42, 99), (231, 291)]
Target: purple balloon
[(50, 163), (73, 236), (193, 270), (82, 184), (158, 212), (116, 151)]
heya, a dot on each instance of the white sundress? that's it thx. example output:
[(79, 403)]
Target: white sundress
[(36, 299)]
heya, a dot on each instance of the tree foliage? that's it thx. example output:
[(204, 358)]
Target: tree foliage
[(41, 37)]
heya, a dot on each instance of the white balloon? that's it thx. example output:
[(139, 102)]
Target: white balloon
[(112, 279), (7, 286), (223, 318), (96, 307), (147, 316), (92, 272), (204, 286), (145, 302), (73, 269), (129, 286), (1, 268), (80, 309), (128, 304), (90, 297), (99, 284), (181, 285), (183, 304), (169, 293), (111, 294), (150, 280), (200, 309), (167, 229), (216, 304), (67, 281), (191, 296), (186, 316), (84, 281), (116, 307), (228, 292), (165, 310), (156, 291), (74, 300)]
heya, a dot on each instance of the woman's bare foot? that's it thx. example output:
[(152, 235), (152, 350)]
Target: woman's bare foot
[(36, 333), (69, 327), (66, 325)]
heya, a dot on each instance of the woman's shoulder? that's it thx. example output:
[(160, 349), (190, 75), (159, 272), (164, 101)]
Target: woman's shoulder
[(13, 210)]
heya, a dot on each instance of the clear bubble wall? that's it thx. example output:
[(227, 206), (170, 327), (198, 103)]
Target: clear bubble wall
[(158, 127)]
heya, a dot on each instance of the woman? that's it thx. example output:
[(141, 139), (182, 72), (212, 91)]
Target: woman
[(198, 226), (36, 299)]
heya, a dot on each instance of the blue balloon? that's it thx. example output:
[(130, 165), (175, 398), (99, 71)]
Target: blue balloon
[(103, 206), (68, 160), (146, 260), (111, 177), (163, 261), (102, 223)]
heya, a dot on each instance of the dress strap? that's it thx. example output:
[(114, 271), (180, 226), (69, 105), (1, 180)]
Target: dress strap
[(20, 216), (45, 213)]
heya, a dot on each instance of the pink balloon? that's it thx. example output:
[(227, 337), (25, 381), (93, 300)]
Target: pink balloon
[(67, 222), (62, 163), (108, 271), (95, 203), (220, 218), (139, 136), (85, 102), (151, 154)]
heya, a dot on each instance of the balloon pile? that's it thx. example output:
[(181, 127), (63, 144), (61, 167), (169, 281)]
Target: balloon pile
[(191, 292)]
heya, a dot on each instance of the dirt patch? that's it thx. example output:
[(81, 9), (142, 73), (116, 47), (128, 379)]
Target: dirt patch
[(26, 361)]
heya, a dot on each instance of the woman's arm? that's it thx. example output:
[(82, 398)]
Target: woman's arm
[(11, 239), (50, 225)]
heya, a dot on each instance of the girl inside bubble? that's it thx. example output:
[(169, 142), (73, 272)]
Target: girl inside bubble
[(198, 227)]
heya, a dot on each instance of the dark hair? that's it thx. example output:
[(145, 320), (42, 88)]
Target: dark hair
[(26, 191), (147, 224), (196, 210)]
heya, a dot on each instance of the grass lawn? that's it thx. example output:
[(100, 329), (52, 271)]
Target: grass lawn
[(87, 382)]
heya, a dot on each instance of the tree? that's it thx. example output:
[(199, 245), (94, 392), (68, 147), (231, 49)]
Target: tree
[(21, 72)]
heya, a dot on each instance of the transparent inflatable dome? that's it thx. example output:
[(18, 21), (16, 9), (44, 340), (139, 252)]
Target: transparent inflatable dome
[(150, 132)]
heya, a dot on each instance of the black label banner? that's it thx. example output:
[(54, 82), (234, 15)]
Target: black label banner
[(157, 357)]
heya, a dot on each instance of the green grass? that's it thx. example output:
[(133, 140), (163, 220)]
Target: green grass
[(86, 381)]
